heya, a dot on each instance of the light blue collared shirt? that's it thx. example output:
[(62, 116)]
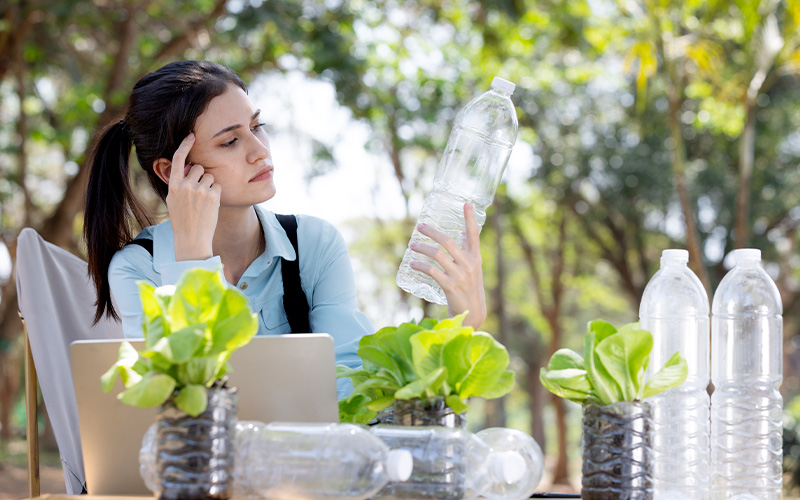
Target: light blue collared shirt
[(326, 276)]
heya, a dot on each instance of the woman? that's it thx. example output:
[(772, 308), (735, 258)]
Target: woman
[(198, 137)]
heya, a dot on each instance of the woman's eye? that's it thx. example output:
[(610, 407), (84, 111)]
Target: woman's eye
[(229, 143), (257, 127)]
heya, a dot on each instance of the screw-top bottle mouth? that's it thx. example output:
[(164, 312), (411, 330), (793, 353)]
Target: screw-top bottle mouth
[(399, 464), (503, 85), (674, 256), (746, 255), (507, 466)]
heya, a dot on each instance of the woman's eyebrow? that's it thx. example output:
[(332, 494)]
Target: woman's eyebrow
[(234, 127)]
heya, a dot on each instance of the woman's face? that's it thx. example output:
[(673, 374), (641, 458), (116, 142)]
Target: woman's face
[(232, 145)]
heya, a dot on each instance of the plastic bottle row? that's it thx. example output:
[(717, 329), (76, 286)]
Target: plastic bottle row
[(729, 444), (289, 461)]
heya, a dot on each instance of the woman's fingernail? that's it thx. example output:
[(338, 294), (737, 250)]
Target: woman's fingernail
[(414, 244), (190, 136), (422, 226)]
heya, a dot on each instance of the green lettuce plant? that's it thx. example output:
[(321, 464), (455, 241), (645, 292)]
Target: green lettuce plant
[(190, 331), (612, 368), (425, 360)]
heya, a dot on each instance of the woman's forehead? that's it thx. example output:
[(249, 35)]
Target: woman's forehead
[(232, 107)]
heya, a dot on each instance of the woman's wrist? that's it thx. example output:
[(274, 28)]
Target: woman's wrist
[(192, 250)]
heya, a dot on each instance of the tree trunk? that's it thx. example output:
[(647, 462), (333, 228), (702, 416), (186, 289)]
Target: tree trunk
[(536, 393), (678, 168), (746, 160), (498, 419)]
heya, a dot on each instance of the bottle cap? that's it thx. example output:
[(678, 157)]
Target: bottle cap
[(742, 255), (399, 464), (503, 85), (675, 255), (506, 466)]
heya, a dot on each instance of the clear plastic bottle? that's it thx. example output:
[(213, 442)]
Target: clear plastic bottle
[(287, 461), (322, 461), (674, 308), (470, 170), (746, 369), (449, 464), (523, 464)]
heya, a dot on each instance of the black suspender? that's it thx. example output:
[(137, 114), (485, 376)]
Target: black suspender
[(294, 300)]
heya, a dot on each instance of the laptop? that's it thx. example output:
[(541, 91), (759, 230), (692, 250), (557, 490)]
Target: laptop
[(289, 378)]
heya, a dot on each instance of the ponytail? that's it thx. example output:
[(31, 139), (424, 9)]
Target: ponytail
[(110, 208), (162, 109)]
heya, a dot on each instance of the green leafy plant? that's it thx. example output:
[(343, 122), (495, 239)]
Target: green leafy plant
[(190, 331), (425, 360), (612, 368)]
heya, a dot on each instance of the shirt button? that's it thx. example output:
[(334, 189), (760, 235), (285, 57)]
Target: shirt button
[(243, 286)]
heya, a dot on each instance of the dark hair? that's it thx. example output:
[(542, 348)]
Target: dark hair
[(162, 110)]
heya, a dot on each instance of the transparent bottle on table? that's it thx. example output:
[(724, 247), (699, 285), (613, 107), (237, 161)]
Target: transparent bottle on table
[(746, 370), (287, 461), (470, 170), (455, 464), (674, 309)]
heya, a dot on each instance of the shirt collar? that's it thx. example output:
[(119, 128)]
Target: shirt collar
[(278, 244)]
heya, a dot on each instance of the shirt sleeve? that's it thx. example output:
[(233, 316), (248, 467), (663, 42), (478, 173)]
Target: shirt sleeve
[(334, 308), (133, 264)]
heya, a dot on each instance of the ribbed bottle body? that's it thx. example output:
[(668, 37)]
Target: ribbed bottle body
[(746, 370), (675, 310)]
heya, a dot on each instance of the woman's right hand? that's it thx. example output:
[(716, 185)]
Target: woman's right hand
[(193, 204)]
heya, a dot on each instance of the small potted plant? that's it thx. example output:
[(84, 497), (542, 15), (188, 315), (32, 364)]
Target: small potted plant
[(609, 381), (425, 372), (190, 331), (423, 375)]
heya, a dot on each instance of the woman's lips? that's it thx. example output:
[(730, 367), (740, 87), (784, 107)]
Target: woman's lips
[(262, 175)]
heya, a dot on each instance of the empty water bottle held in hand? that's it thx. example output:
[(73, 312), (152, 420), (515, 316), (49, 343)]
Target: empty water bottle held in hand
[(674, 308), (470, 171), (746, 369)]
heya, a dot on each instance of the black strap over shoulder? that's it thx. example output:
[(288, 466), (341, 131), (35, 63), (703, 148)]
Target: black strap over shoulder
[(144, 243), (294, 300)]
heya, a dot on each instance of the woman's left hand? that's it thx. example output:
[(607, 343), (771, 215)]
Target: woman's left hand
[(462, 278)]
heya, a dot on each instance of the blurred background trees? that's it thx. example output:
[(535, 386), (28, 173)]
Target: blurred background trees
[(644, 125)]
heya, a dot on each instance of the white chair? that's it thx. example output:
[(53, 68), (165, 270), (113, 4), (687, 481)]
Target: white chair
[(57, 306)]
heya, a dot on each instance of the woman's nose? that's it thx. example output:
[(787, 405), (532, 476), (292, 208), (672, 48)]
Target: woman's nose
[(258, 150)]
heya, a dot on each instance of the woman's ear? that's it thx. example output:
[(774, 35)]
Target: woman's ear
[(162, 167)]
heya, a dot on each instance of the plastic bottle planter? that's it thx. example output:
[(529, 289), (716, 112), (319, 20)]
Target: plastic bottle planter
[(617, 453), (439, 472), (194, 455), (432, 411)]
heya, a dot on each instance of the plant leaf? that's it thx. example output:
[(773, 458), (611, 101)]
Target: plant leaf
[(192, 399), (197, 298), (672, 374), (126, 359), (457, 404), (625, 354), (564, 359), (430, 383), (558, 390), (153, 390), (233, 324), (504, 385), (604, 386), (486, 361), (355, 410)]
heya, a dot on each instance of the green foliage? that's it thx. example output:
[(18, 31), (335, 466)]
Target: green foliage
[(425, 360), (190, 331), (612, 368)]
